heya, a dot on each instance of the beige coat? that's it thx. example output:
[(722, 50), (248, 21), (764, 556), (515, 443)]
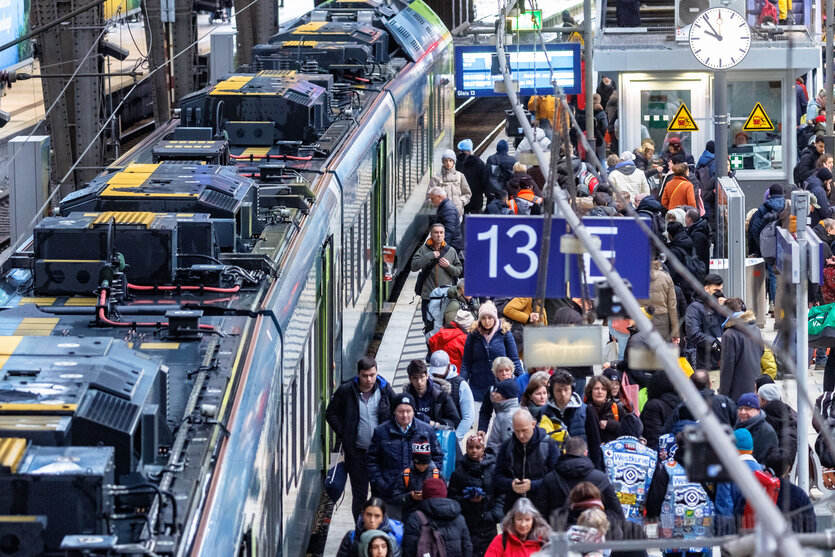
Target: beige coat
[(455, 185)]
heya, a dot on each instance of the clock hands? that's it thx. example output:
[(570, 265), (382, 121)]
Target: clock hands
[(712, 31)]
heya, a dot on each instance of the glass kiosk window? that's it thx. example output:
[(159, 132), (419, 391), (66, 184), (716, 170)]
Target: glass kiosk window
[(755, 150), (658, 106)]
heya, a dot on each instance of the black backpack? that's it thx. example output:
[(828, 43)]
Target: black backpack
[(430, 543), (696, 266), (656, 222)]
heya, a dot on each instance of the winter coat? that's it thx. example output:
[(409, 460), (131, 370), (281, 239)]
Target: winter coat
[(502, 429), (699, 232), (451, 339), (521, 181), (539, 137), (498, 206), (821, 447), (801, 99), (444, 515), (441, 407), (456, 187), (723, 407), (472, 167), (508, 545), (815, 187), (662, 399), (365, 543), (628, 178), (662, 295), (520, 309), (438, 276), (502, 160), (740, 356), (571, 470), (390, 453), (774, 204), (628, 13), (605, 91), (703, 325), (350, 545), (825, 239), (529, 462), (803, 521), (765, 438), (588, 428), (666, 156), (482, 516), (678, 191), (458, 301), (343, 413), (449, 216), (462, 397), (806, 164), (606, 412), (783, 419), (476, 364)]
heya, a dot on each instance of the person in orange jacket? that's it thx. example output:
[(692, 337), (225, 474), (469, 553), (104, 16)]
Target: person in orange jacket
[(679, 190)]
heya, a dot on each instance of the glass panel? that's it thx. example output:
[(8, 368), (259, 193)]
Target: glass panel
[(658, 106), (757, 150)]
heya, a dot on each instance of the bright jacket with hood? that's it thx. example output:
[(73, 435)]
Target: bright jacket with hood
[(628, 178), (508, 545)]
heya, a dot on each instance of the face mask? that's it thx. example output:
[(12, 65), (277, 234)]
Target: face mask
[(718, 294)]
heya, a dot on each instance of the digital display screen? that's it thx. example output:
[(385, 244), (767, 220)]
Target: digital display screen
[(529, 21), (477, 69)]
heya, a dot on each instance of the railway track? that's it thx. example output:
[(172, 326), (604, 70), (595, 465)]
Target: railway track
[(480, 119)]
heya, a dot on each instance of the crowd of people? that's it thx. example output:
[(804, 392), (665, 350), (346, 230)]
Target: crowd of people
[(600, 456)]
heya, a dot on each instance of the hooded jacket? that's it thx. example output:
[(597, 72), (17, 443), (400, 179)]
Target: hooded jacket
[(472, 167), (441, 407), (806, 164), (451, 339), (456, 187), (703, 325), (628, 178), (581, 421), (740, 356), (783, 419), (699, 232), (368, 536), (707, 159), (571, 470), (502, 429), (351, 542), (444, 515), (662, 399), (765, 438), (525, 462), (481, 516), (343, 413)]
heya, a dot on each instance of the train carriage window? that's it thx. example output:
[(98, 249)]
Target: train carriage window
[(303, 408), (404, 170), (287, 440), (310, 381), (366, 241), (296, 437)]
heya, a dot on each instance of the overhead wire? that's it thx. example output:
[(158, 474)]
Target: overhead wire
[(104, 126)]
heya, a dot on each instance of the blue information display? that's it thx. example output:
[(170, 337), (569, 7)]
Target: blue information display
[(477, 68), (502, 255)]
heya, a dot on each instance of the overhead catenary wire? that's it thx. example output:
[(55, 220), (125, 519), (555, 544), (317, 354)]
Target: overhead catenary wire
[(775, 526)]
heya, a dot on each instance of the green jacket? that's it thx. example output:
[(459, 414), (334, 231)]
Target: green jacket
[(438, 276)]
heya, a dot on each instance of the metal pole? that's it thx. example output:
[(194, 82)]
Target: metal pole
[(800, 208), (588, 57), (830, 17), (720, 121)]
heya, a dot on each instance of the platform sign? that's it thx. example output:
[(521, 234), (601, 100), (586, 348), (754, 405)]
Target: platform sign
[(477, 69), (502, 255), (682, 121), (416, 29), (758, 120)]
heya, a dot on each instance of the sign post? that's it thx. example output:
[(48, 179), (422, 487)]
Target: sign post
[(800, 208)]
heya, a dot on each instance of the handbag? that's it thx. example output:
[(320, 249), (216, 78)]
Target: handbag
[(822, 326), (336, 478), (630, 393)]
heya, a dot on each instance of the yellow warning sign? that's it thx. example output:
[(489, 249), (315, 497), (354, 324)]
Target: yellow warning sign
[(682, 121), (758, 120)]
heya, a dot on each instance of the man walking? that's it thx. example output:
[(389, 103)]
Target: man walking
[(437, 264)]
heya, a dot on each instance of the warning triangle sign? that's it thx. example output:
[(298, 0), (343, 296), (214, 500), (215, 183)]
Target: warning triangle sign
[(758, 120), (682, 121)]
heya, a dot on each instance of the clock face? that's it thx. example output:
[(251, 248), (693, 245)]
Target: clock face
[(720, 38)]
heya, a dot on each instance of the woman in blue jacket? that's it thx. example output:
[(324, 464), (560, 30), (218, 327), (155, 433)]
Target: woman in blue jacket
[(489, 338)]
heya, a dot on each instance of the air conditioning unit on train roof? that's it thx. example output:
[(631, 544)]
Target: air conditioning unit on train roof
[(688, 10)]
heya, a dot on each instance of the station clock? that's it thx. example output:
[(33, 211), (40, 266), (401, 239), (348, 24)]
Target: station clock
[(720, 38)]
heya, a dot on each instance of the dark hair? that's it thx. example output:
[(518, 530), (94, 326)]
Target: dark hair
[(602, 188), (693, 214), (560, 377), (674, 227), (819, 139), (600, 199), (365, 363), (762, 380), (416, 368), (583, 491), (712, 279), (700, 379), (735, 304), (576, 446), (779, 460), (594, 380), (375, 502)]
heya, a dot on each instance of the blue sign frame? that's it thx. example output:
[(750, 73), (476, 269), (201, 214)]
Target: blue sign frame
[(502, 255), (477, 69)]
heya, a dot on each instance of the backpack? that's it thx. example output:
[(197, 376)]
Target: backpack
[(430, 543), (768, 242), (556, 430), (438, 302), (497, 179), (696, 266), (656, 222)]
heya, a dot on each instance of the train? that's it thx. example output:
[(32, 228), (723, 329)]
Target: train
[(171, 336)]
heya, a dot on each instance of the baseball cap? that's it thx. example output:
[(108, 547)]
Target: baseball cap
[(438, 363)]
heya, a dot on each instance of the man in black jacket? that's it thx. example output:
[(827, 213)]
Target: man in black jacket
[(723, 407), (447, 216), (443, 515), (472, 167), (808, 157), (699, 231), (750, 417), (703, 325), (434, 406), (357, 407)]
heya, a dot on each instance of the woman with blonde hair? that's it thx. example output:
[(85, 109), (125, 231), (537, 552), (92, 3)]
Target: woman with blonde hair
[(489, 339), (524, 532)]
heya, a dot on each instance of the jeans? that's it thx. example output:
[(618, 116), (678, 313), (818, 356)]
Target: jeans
[(356, 464), (771, 282)]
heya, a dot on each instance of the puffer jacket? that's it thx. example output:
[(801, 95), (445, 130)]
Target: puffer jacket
[(455, 185), (529, 462), (662, 399), (479, 355), (441, 407), (508, 545), (390, 453), (451, 339), (628, 178), (444, 515), (481, 516), (740, 357), (662, 295), (350, 545), (520, 309)]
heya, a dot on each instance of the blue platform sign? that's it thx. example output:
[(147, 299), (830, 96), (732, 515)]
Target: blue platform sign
[(502, 255)]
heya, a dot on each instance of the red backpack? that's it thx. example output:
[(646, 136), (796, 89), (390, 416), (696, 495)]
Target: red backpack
[(768, 14), (430, 543), (771, 484)]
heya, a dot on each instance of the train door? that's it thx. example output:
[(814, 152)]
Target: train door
[(382, 204), (327, 380)]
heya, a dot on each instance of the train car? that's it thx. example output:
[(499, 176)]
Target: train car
[(170, 339)]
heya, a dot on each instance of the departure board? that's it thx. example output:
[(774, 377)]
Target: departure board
[(477, 69)]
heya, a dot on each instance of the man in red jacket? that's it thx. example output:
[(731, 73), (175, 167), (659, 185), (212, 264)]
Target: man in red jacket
[(452, 337)]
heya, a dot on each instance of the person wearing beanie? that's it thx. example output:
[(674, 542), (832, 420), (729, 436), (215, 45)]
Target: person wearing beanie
[(729, 499), (390, 452), (453, 182), (626, 177), (779, 415), (505, 404), (443, 515), (489, 338), (474, 170), (751, 418), (498, 170), (466, 145), (408, 490)]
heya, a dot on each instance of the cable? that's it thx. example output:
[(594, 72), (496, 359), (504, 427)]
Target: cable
[(177, 287), (133, 324)]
